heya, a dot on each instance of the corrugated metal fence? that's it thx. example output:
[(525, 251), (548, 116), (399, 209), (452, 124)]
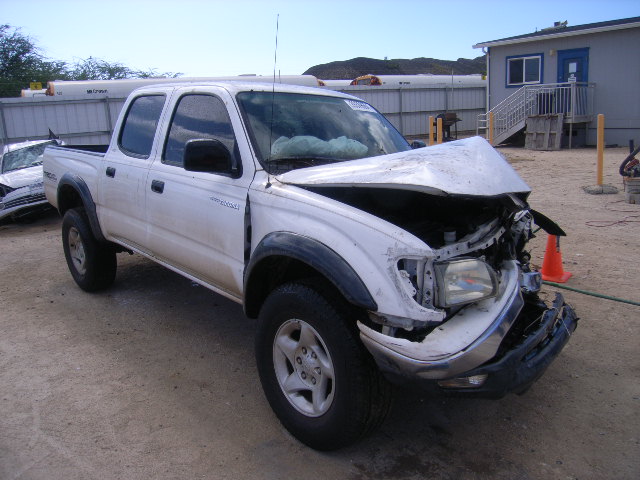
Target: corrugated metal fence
[(77, 120), (408, 107), (82, 120)]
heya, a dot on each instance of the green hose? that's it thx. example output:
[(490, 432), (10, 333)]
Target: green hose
[(593, 294)]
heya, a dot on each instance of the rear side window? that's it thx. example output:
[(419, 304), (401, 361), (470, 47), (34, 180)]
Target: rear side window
[(139, 128), (199, 116)]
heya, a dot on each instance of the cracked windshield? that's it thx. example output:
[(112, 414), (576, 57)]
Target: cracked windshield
[(25, 157)]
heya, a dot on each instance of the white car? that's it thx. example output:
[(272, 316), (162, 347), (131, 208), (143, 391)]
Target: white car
[(21, 190)]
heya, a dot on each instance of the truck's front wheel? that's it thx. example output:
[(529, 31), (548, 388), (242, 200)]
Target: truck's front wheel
[(92, 264), (320, 381)]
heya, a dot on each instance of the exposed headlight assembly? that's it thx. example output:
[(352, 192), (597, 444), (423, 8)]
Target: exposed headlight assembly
[(464, 281)]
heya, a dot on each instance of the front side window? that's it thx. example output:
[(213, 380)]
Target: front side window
[(198, 117), (524, 70), (139, 127)]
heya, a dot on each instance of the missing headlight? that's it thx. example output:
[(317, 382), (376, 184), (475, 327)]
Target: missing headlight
[(408, 270)]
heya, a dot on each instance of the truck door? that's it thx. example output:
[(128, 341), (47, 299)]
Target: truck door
[(197, 220), (123, 175)]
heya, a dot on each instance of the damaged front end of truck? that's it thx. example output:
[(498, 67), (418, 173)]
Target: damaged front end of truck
[(496, 335), (485, 331)]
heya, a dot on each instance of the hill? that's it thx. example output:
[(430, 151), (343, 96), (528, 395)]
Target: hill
[(362, 66)]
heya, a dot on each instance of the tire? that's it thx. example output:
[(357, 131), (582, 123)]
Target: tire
[(92, 264), (317, 376)]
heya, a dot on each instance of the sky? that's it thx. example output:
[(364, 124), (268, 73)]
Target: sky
[(214, 38)]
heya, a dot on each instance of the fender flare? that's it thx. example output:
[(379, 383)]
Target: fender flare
[(316, 255), (79, 185)]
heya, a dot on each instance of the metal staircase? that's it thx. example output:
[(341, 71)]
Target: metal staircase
[(573, 100)]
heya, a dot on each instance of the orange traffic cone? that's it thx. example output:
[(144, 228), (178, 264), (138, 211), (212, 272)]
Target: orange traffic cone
[(552, 264)]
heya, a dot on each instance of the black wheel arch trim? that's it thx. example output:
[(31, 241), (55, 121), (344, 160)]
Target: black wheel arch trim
[(79, 185), (318, 256)]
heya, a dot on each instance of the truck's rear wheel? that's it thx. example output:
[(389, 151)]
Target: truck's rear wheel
[(320, 381), (92, 264)]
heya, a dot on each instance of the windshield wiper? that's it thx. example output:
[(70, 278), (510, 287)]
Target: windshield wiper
[(300, 161), (302, 158)]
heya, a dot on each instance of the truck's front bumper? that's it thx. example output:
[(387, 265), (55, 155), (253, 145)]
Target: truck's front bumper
[(535, 336)]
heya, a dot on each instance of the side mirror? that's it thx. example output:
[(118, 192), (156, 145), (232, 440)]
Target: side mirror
[(209, 156), (418, 144)]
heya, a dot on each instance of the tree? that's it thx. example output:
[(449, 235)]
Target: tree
[(22, 62), (97, 69)]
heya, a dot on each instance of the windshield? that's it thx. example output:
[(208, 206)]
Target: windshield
[(24, 157), (291, 130)]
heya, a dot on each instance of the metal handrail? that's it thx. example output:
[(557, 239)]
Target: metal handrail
[(572, 99)]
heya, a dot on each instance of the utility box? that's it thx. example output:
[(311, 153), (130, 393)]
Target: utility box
[(632, 189)]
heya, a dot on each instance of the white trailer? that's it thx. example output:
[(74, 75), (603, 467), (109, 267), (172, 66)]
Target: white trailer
[(122, 88), (475, 80), (28, 93)]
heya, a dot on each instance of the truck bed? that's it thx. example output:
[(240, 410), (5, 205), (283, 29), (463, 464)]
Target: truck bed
[(83, 160), (87, 148)]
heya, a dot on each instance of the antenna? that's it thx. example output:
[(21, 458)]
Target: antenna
[(275, 53), (273, 94)]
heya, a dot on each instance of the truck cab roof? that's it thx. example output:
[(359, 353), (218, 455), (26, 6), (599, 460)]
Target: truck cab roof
[(234, 87)]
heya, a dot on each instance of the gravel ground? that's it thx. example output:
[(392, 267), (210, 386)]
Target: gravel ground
[(155, 377)]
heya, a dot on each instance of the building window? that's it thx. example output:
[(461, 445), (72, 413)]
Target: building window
[(524, 70)]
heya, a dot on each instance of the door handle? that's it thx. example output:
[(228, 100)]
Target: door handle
[(111, 172), (157, 186)]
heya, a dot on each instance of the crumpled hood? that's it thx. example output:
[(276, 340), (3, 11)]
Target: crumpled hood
[(22, 177), (464, 167)]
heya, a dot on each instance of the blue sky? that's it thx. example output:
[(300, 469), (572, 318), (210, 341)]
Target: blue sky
[(213, 38)]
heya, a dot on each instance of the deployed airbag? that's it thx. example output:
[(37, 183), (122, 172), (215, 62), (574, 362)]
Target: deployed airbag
[(308, 146)]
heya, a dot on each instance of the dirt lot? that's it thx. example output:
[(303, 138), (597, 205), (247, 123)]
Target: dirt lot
[(155, 378)]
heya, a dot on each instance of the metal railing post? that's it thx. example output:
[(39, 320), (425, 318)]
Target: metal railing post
[(573, 113), (490, 133), (401, 108), (573, 101)]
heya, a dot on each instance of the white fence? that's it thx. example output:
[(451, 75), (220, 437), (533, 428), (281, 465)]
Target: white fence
[(79, 120), (76, 120), (408, 108)]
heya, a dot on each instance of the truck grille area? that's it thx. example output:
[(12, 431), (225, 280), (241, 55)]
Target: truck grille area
[(534, 315), (529, 348)]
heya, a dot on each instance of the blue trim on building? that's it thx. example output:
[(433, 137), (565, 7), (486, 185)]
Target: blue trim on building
[(582, 53), (506, 69)]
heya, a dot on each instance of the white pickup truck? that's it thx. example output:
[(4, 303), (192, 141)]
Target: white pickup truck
[(362, 259)]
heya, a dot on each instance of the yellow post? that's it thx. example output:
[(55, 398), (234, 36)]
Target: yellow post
[(490, 133), (439, 131), (600, 147), (430, 130)]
